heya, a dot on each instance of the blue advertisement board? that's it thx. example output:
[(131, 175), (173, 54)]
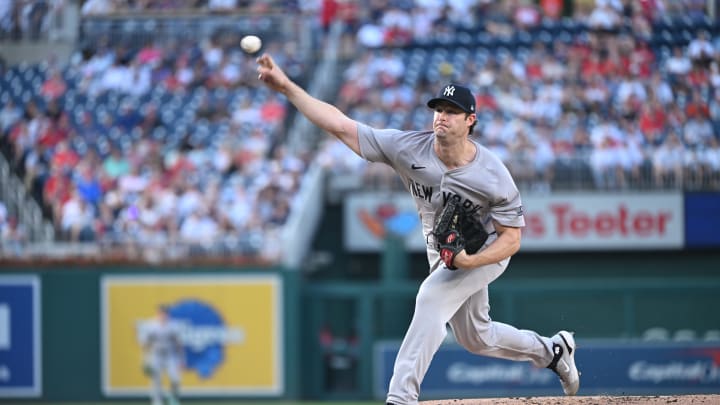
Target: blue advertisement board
[(19, 336), (702, 219), (607, 367)]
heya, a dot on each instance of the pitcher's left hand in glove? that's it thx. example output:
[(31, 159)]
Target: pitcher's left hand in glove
[(457, 230)]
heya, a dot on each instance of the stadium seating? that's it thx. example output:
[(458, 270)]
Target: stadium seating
[(455, 58), (194, 122)]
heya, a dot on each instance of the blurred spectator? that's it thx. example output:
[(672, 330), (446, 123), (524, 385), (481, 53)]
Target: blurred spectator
[(461, 13), (597, 94), (485, 101), (272, 111), (631, 89), (53, 87), (13, 236), (151, 53), (697, 106), (132, 183), (247, 113), (551, 9), (715, 76), (189, 200), (99, 7), (522, 164), (396, 24), (87, 182), (697, 131), (10, 113), (55, 191), (714, 110), (709, 159), (679, 64), (700, 50), (668, 161), (370, 34), (660, 89), (153, 228), (423, 17), (633, 158), (77, 218), (6, 18), (115, 164), (640, 15), (199, 229), (652, 122), (606, 162), (637, 57), (117, 77), (605, 17), (220, 6), (64, 158), (526, 15)]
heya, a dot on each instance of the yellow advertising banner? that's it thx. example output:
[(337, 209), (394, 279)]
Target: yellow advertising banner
[(229, 328)]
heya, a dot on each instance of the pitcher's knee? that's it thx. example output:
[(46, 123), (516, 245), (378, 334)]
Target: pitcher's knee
[(477, 341)]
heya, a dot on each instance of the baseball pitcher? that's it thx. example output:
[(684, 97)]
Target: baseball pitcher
[(472, 216)]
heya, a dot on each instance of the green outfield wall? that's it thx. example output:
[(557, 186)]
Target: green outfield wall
[(329, 325), (72, 324)]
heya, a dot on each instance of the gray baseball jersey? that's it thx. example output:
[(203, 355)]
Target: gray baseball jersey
[(458, 298), (484, 186)]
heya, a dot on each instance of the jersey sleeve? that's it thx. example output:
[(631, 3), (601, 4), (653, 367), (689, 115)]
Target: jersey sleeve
[(507, 207), (377, 145), (509, 211)]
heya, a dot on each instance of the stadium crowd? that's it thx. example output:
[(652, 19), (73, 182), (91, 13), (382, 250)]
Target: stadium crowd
[(158, 149), (166, 148), (39, 19), (616, 97)]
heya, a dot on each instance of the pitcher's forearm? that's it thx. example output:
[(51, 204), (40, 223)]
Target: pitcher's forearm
[(497, 251), (506, 245), (326, 116)]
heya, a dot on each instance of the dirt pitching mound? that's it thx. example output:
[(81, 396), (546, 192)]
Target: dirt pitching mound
[(589, 400)]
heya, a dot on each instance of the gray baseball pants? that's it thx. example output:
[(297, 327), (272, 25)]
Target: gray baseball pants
[(459, 298)]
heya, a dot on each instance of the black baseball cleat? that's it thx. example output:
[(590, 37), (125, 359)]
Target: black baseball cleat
[(563, 362)]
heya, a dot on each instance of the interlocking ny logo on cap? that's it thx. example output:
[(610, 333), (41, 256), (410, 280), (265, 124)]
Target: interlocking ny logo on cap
[(456, 95)]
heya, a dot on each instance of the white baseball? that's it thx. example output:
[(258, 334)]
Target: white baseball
[(250, 43)]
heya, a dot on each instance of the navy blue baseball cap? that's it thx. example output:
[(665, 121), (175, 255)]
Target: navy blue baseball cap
[(456, 94)]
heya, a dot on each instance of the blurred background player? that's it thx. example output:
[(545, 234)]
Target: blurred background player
[(161, 340)]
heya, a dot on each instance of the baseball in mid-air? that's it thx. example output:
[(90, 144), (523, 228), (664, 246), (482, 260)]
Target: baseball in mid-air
[(250, 43)]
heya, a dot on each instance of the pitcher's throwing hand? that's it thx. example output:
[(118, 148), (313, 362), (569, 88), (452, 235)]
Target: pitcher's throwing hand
[(271, 74)]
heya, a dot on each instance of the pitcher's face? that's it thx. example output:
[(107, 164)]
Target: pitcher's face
[(451, 121)]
